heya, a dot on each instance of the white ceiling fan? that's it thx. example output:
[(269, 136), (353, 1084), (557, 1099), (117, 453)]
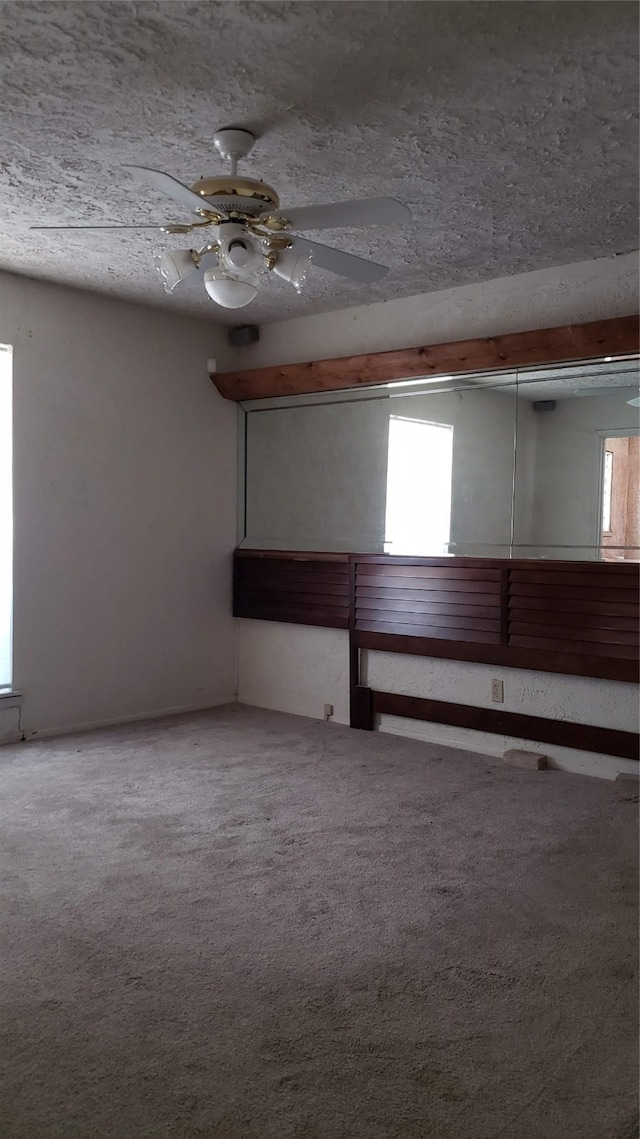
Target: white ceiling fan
[(248, 235)]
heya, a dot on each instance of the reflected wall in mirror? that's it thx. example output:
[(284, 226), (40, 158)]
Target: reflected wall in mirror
[(484, 465), (569, 420)]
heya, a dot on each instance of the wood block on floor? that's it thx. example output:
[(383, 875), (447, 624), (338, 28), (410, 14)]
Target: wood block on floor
[(528, 760)]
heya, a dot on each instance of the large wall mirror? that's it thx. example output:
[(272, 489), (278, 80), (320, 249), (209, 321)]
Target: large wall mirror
[(540, 462)]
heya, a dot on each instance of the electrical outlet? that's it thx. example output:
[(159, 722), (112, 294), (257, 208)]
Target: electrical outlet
[(328, 711), (497, 691)]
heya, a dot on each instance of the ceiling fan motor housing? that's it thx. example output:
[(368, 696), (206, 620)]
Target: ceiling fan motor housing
[(246, 197)]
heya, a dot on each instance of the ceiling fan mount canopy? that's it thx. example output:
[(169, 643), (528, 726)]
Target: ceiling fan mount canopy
[(233, 143)]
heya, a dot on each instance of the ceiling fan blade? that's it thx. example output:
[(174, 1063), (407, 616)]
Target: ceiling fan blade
[(368, 211), (344, 264), (165, 184), (95, 227)]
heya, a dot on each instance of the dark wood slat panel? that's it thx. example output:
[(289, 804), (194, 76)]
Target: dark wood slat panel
[(579, 631), (336, 563), (506, 562), (291, 555), (290, 584), (430, 597), (439, 620), (626, 610), (452, 571), (574, 664), (306, 616), (310, 591), (299, 589), (291, 565), (430, 585), (295, 569), (551, 644), (269, 570), (614, 337), (555, 626), (606, 580), (431, 631), (571, 593), (293, 601), (255, 573), (556, 565), (504, 605), (266, 569), (425, 607), (564, 733)]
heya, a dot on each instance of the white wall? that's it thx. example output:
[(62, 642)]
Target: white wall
[(588, 291), (294, 668), (569, 465), (317, 475), (525, 477), (313, 666), (124, 492), (580, 699)]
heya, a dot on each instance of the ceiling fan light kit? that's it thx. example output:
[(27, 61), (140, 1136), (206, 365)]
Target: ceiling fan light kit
[(173, 267), (249, 236), (292, 267), (228, 291)]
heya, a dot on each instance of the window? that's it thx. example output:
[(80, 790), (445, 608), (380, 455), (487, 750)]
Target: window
[(620, 501), (606, 492), (6, 520), (418, 510)]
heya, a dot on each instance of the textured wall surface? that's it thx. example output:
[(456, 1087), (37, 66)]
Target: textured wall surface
[(569, 458), (571, 294), (294, 668), (508, 129), (577, 293), (124, 491), (317, 475), (312, 669)]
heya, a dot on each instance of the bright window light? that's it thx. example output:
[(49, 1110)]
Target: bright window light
[(418, 515), (6, 520), (606, 491)]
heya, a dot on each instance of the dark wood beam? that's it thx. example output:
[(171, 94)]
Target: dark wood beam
[(563, 733), (617, 337)]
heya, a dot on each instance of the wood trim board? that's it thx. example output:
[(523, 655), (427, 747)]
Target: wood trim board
[(616, 337), (563, 733), (538, 660)]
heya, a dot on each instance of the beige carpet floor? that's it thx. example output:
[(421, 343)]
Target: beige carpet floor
[(246, 925)]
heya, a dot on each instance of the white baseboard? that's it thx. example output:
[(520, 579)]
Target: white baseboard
[(95, 725)]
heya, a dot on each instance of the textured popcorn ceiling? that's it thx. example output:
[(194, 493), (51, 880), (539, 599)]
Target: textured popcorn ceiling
[(507, 127)]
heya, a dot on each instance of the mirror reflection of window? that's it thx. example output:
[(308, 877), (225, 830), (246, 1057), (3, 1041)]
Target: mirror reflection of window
[(419, 471), (606, 492), (621, 498), (528, 475)]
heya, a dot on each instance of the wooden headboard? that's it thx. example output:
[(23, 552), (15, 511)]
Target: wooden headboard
[(577, 618)]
